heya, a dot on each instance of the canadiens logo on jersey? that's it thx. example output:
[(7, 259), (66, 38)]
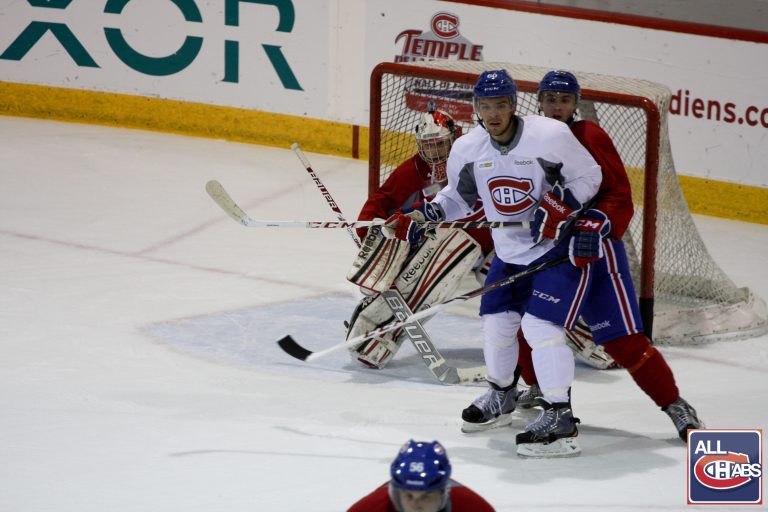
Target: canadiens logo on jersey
[(510, 195), (725, 466)]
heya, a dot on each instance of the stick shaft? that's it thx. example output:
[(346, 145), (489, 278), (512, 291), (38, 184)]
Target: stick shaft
[(327, 195)]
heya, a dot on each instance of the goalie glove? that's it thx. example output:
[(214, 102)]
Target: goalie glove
[(405, 224), (587, 242), (556, 211)]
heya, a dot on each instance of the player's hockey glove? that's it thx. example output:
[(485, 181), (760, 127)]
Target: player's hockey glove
[(556, 211), (587, 242), (405, 224)]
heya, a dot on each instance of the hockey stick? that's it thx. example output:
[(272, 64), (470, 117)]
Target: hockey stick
[(335, 207), (224, 200), (415, 332), (292, 348)]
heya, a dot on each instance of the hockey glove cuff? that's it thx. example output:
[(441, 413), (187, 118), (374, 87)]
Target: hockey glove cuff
[(556, 211), (587, 242), (406, 224)]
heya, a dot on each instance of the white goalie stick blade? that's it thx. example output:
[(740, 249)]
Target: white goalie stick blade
[(565, 447), (435, 362)]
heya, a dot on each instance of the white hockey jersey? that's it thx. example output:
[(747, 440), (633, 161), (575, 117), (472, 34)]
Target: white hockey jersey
[(511, 179)]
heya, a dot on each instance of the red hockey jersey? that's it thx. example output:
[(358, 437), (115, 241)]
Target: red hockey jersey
[(463, 499), (614, 198)]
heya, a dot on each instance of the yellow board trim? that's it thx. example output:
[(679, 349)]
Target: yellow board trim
[(727, 200), (171, 116), (707, 197)]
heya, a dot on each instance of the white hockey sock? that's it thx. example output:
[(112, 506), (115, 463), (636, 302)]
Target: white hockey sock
[(500, 348), (552, 359), (554, 366), (500, 363)]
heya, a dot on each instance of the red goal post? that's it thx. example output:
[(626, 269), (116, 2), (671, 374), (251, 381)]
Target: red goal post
[(683, 294)]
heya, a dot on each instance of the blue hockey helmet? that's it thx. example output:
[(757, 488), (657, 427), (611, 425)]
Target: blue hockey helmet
[(421, 466), (495, 83), (560, 81)]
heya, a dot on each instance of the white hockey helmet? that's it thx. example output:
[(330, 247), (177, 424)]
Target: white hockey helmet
[(435, 134)]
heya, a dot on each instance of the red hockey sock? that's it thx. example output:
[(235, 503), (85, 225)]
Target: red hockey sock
[(647, 367), (525, 360)]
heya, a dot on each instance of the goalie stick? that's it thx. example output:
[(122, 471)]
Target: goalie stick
[(414, 331), (292, 348), (225, 201)]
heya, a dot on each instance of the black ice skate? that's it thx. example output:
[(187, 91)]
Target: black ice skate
[(683, 416), (491, 410), (529, 397), (552, 434)]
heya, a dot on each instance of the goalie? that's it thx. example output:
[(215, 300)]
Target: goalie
[(431, 271)]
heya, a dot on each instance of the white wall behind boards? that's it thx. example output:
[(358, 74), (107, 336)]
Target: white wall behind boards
[(313, 58)]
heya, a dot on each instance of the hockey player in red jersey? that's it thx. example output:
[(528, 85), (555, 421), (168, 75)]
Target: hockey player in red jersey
[(421, 482), (427, 273), (617, 326)]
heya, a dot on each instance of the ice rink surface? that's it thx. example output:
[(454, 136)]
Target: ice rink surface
[(139, 370)]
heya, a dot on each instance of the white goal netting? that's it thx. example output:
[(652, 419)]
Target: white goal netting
[(681, 288)]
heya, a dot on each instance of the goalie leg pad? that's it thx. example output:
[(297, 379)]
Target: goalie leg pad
[(430, 276), (435, 270), (379, 261), (371, 313)]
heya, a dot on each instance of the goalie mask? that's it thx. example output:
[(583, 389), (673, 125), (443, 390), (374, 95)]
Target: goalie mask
[(435, 134)]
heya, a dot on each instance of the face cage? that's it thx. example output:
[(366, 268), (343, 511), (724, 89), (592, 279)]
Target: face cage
[(435, 153)]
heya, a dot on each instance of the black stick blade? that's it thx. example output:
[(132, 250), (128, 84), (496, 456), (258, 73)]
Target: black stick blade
[(290, 347)]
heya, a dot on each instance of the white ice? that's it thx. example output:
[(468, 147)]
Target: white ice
[(139, 370)]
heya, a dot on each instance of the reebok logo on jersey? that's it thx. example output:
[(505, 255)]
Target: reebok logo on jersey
[(523, 162), (601, 325)]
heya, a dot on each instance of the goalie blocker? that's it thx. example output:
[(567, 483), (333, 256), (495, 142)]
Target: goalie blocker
[(429, 276)]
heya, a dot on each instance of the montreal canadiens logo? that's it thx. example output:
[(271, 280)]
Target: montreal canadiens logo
[(445, 25), (725, 471), (511, 196)]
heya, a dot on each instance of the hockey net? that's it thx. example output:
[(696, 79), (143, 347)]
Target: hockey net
[(684, 295)]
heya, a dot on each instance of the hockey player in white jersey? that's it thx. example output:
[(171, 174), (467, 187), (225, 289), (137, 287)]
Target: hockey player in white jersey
[(514, 164)]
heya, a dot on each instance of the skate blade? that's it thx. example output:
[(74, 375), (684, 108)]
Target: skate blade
[(565, 447), (500, 421)]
